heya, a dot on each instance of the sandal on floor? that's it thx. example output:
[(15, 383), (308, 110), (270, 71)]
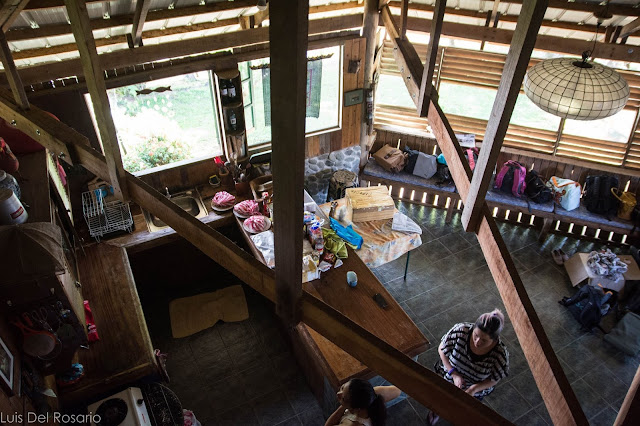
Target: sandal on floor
[(563, 255), (557, 257), (432, 418)]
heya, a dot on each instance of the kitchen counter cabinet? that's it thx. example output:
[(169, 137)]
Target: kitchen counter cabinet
[(124, 352)]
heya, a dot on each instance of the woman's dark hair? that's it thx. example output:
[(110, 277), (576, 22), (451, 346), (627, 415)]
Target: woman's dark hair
[(491, 323), (362, 395)]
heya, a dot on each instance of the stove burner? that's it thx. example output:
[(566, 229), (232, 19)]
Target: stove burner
[(112, 412)]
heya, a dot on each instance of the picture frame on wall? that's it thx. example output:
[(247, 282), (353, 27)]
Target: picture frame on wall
[(6, 368)]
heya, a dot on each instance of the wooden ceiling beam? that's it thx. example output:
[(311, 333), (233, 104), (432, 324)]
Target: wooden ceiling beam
[(15, 83), (515, 67), (288, 31), (16, 34), (405, 55), (79, 17), (559, 398), (124, 58), (424, 98), (549, 43), (422, 384), (139, 17), (452, 11), (631, 28), (9, 11)]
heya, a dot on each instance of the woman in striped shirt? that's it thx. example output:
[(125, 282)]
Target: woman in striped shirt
[(473, 357)]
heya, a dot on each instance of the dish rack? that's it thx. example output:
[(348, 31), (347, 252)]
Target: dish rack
[(104, 217)]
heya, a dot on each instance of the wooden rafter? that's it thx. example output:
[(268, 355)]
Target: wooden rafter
[(9, 11), (631, 28), (515, 67), (288, 40), (422, 384), (79, 17), (17, 88), (432, 56), (124, 58), (544, 42), (404, 10), (155, 16), (139, 17)]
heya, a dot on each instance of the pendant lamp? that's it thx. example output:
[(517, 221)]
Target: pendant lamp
[(576, 89)]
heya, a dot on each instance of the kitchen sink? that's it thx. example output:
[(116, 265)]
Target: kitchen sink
[(189, 201)]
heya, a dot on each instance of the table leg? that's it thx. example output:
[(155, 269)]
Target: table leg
[(406, 266)]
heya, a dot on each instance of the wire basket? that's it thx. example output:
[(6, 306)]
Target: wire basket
[(105, 217)]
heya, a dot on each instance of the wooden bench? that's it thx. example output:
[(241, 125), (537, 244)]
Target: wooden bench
[(506, 207)]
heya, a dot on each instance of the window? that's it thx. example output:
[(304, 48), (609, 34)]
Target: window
[(165, 121), (616, 128), (323, 94), (465, 100), (391, 90), (526, 113)]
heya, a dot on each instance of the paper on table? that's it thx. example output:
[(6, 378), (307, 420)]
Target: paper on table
[(264, 243), (403, 223)]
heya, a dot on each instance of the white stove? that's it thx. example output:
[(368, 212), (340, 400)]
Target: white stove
[(126, 408)]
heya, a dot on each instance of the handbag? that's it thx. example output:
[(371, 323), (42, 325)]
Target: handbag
[(566, 192)]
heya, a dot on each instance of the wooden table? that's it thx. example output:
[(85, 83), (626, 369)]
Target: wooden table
[(325, 364)]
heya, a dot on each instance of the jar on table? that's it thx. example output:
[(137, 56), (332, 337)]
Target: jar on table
[(8, 181)]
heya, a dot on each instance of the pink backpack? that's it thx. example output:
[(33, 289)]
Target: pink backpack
[(511, 178)]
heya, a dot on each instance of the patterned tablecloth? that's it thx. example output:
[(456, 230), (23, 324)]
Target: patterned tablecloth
[(381, 243)]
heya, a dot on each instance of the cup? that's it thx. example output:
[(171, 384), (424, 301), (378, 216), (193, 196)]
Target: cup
[(352, 279)]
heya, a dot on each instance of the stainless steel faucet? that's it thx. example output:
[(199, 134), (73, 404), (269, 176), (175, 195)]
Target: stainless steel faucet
[(167, 193)]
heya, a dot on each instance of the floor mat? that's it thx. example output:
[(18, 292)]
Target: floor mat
[(196, 313)]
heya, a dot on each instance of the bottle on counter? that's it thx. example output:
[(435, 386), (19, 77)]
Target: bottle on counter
[(315, 236), (233, 122)]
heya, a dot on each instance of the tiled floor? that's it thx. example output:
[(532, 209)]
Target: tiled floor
[(244, 373)]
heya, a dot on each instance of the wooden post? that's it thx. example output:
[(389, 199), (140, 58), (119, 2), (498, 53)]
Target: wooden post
[(369, 29), (432, 57), (142, 8), (12, 73), (288, 44), (630, 410), (77, 10), (404, 9), (515, 67), (561, 402)]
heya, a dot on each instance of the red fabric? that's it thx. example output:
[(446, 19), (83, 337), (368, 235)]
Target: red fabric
[(8, 162), (19, 142), (92, 331), (61, 173)]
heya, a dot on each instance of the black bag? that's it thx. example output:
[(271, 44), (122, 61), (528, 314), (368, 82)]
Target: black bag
[(443, 174), (588, 306), (536, 190), (598, 197), (411, 159)]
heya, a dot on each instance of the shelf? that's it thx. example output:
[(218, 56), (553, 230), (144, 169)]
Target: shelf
[(236, 104), (228, 74), (234, 132)]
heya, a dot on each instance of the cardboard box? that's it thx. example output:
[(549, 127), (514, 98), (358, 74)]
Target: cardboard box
[(372, 203), (578, 271)]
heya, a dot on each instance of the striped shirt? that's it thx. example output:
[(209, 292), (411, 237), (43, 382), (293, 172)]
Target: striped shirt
[(474, 368)]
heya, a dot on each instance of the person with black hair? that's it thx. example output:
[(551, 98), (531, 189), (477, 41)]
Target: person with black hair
[(473, 357), (361, 404)]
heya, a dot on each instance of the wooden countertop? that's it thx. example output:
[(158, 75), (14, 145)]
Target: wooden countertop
[(141, 239), (124, 352), (392, 324)]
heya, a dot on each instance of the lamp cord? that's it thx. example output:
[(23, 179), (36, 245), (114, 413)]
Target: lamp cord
[(590, 53)]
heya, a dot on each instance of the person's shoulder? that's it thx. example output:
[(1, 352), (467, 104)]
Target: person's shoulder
[(501, 348)]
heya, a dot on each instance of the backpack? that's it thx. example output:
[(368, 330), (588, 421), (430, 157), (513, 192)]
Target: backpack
[(472, 157), (412, 156), (390, 158), (598, 197), (426, 165), (536, 190), (511, 178), (588, 306), (443, 174)]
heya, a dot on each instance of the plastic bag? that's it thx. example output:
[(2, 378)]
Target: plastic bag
[(190, 418)]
